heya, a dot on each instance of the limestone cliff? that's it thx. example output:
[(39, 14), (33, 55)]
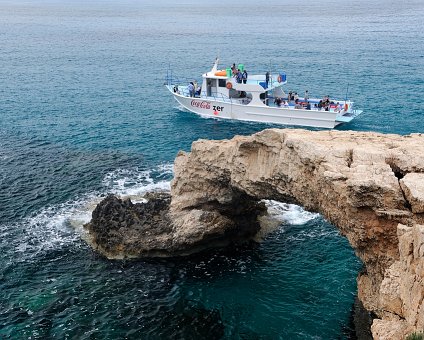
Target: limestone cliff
[(364, 183), (368, 185)]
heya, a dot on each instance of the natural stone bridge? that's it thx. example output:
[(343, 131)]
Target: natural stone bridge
[(369, 185)]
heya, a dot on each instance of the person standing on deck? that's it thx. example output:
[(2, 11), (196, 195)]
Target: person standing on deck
[(239, 76), (267, 78), (195, 86), (190, 88), (306, 96), (233, 70), (244, 77)]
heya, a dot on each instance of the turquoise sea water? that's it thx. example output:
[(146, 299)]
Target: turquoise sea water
[(83, 112)]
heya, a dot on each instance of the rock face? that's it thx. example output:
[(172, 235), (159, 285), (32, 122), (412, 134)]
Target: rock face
[(368, 185), (121, 229)]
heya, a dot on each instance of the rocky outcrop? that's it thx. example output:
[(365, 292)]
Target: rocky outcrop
[(120, 229), (368, 185), (402, 289)]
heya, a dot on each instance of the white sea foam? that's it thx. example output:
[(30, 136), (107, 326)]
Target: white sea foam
[(56, 226), (289, 213), (280, 215), (134, 183), (60, 225), (47, 230)]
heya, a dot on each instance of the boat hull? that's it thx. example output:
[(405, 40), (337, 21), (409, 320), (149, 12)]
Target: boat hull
[(206, 107)]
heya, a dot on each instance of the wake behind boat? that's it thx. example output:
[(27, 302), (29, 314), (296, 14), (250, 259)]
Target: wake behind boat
[(232, 94)]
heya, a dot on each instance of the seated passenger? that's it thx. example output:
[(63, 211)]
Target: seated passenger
[(277, 101), (298, 105), (199, 90)]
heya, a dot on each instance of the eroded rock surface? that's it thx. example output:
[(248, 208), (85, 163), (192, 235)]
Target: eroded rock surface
[(120, 229), (366, 184)]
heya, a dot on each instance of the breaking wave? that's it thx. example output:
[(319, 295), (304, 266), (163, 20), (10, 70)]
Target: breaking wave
[(289, 213), (57, 226)]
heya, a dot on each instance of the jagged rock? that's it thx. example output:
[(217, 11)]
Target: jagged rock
[(366, 184), (389, 329), (120, 229), (413, 187)]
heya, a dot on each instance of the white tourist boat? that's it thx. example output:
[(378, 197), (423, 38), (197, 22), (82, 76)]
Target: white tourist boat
[(221, 95)]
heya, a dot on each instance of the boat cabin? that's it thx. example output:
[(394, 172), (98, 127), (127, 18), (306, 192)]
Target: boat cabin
[(221, 85)]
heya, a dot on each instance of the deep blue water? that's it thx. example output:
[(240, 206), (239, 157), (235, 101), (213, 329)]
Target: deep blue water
[(83, 112)]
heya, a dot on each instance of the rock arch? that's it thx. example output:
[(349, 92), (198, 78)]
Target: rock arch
[(369, 185)]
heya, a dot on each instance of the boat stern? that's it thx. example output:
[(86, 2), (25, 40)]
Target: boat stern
[(348, 116)]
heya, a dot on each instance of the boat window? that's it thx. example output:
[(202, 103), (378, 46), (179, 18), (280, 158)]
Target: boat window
[(221, 82)]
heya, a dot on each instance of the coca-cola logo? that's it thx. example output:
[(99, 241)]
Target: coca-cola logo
[(201, 104)]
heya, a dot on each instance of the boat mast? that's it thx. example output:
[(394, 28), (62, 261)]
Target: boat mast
[(215, 65), (347, 89)]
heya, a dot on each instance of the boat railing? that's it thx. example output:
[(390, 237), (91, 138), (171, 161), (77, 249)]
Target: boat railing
[(217, 96)]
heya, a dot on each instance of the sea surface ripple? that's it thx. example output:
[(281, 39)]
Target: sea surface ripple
[(83, 113)]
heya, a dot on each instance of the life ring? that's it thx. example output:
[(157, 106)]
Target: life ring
[(229, 86), (346, 107), (279, 79)]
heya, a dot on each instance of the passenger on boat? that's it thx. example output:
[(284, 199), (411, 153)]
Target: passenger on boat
[(308, 106), (244, 77), (306, 95), (278, 101), (296, 96), (337, 108), (195, 86), (298, 105), (190, 88), (320, 105), (239, 76), (198, 92), (233, 70), (289, 96), (327, 103), (176, 89), (267, 78)]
